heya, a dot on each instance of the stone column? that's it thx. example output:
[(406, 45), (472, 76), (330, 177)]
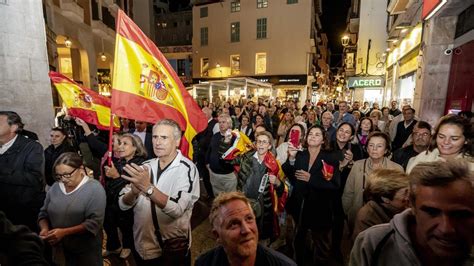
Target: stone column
[(24, 83), (433, 76)]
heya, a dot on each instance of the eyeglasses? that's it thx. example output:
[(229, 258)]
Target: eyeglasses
[(417, 135), (259, 142), (66, 176)]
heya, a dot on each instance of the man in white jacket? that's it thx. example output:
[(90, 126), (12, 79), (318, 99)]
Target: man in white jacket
[(169, 184)]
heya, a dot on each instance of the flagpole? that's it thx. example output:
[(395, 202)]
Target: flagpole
[(111, 133)]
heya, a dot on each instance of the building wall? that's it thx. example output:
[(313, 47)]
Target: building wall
[(143, 17), (24, 82), (287, 44), (373, 19)]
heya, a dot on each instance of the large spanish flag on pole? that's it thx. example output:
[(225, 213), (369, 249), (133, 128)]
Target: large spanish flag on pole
[(145, 86), (82, 102)]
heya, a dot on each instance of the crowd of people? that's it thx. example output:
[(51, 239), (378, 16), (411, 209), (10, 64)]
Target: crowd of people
[(335, 172)]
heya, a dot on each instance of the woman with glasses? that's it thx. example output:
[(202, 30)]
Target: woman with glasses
[(72, 215), (130, 150), (260, 180), (378, 148), (314, 175), (452, 139)]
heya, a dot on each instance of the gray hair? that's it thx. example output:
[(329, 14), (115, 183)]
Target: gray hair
[(170, 122), (226, 117)]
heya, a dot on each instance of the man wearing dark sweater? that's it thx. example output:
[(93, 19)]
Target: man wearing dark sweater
[(221, 172), (421, 140), (404, 128)]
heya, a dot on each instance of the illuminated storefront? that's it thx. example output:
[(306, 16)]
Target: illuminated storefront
[(402, 65), (367, 88)]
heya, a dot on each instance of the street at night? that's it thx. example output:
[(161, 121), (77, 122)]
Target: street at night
[(236, 132)]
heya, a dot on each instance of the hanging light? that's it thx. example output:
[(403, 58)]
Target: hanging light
[(68, 42), (103, 57)]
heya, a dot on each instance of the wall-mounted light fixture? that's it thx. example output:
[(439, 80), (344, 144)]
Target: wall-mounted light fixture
[(68, 42)]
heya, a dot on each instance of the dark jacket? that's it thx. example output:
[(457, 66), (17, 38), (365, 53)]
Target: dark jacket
[(50, 155), (402, 134), (214, 156), (22, 181), (203, 140), (114, 186), (18, 245), (316, 197), (265, 257), (403, 155)]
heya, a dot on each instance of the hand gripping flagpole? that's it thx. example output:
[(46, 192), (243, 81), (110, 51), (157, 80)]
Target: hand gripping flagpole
[(111, 133)]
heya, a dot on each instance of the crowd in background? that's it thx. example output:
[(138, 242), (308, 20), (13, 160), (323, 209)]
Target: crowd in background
[(331, 169)]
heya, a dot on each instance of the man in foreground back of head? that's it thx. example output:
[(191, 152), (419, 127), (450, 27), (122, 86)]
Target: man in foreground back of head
[(437, 230), (233, 224)]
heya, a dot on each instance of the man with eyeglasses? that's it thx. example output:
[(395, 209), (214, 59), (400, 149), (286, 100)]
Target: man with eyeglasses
[(21, 172), (421, 136)]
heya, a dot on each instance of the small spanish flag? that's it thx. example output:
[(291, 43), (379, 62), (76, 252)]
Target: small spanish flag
[(84, 103), (146, 88)]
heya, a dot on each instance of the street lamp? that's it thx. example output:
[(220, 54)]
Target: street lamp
[(68, 42), (345, 40), (218, 66)]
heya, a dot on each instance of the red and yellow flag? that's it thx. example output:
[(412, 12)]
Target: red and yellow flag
[(145, 86), (84, 103)]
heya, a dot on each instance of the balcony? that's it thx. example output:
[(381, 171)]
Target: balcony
[(397, 6), (102, 30), (354, 25), (72, 10)]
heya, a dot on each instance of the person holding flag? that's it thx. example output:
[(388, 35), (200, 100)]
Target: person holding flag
[(261, 179), (146, 88)]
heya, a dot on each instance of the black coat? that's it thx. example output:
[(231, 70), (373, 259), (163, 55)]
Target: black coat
[(318, 194), (50, 156), (22, 181)]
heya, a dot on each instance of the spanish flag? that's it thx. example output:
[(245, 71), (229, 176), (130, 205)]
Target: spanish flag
[(145, 86), (84, 103)]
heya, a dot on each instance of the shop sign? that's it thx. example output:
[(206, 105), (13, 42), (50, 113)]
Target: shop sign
[(365, 82), (284, 80)]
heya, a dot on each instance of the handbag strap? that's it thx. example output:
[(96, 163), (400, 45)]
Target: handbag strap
[(153, 207)]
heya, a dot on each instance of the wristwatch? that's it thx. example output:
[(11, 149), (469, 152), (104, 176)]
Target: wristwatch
[(149, 191)]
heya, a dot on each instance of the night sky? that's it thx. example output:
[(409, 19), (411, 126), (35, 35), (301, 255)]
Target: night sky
[(334, 23)]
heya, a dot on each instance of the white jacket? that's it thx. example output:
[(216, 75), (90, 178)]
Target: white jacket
[(433, 156), (180, 181)]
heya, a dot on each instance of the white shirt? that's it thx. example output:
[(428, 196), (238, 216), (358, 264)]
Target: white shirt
[(142, 135), (7, 145), (63, 188)]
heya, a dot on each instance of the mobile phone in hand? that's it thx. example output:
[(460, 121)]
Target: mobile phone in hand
[(295, 138)]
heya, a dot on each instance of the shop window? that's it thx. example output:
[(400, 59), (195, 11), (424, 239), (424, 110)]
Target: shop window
[(262, 28), (262, 3), (235, 65), (261, 63), (235, 32), (235, 6), (181, 67), (204, 67), (204, 36)]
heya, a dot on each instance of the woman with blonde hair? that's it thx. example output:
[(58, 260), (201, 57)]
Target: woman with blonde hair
[(285, 125), (130, 150), (386, 194)]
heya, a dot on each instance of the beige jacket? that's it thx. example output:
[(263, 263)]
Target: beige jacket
[(352, 198), (433, 156)]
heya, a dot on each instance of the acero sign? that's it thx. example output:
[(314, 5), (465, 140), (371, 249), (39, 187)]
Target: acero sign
[(365, 82)]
